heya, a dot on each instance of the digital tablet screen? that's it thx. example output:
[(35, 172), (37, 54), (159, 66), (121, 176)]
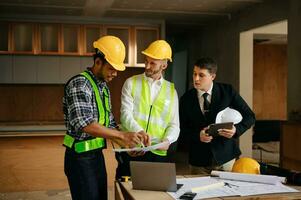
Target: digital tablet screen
[(212, 131)]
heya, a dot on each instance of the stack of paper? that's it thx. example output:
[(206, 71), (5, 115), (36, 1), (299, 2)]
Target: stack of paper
[(210, 187)]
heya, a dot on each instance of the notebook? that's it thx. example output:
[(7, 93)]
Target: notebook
[(154, 176)]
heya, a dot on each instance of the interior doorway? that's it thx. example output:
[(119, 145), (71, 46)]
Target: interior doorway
[(276, 31)]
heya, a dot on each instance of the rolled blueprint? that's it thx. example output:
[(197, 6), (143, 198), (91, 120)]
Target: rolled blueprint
[(256, 178)]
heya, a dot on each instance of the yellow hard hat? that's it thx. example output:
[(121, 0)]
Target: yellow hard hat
[(158, 49), (247, 166), (113, 49)]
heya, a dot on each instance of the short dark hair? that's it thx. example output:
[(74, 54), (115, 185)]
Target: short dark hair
[(99, 54), (207, 63)]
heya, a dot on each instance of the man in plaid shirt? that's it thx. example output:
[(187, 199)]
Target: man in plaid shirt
[(89, 120)]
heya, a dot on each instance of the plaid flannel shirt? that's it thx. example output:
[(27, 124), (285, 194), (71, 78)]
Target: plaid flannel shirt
[(80, 107)]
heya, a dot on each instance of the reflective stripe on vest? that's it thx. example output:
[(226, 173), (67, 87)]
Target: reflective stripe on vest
[(153, 118), (103, 112)]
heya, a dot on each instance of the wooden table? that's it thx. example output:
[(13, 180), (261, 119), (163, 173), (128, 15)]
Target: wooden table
[(127, 193)]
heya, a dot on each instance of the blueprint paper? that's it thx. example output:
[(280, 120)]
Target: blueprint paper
[(231, 188), (145, 149)]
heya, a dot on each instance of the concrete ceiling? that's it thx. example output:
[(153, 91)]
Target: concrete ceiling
[(172, 11)]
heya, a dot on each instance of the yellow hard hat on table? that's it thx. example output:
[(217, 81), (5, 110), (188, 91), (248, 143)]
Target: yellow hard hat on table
[(246, 165), (113, 49), (159, 49)]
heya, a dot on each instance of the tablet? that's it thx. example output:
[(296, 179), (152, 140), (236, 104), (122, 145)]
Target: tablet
[(212, 131)]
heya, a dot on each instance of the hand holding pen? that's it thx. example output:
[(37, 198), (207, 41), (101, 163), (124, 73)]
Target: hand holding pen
[(145, 140)]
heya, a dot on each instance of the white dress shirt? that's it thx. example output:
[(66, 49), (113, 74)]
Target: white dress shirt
[(127, 106), (201, 98)]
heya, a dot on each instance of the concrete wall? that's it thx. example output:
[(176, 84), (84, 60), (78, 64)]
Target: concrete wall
[(221, 40)]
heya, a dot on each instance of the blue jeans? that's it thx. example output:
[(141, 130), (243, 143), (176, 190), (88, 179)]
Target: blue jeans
[(86, 173)]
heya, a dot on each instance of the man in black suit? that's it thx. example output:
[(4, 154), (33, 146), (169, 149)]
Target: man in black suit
[(198, 109)]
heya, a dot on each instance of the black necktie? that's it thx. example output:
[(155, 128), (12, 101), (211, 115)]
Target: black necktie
[(206, 103)]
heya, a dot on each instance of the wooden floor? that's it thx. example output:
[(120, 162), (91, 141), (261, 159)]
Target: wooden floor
[(37, 163)]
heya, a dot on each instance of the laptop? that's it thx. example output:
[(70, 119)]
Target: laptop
[(154, 176)]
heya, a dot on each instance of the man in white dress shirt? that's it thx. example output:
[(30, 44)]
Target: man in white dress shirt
[(149, 104)]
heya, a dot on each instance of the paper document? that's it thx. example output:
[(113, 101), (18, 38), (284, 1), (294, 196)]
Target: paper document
[(145, 149), (210, 187), (248, 188), (256, 178), (205, 187)]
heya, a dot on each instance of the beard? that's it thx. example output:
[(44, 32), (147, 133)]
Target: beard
[(99, 75), (151, 73), (109, 78)]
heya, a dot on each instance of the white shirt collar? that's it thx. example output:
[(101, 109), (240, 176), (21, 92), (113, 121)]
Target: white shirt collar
[(152, 81)]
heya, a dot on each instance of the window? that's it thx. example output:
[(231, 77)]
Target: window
[(4, 30), (23, 37), (144, 36), (92, 33), (49, 38), (71, 39)]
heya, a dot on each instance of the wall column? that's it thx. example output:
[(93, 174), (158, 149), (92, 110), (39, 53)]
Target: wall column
[(294, 61)]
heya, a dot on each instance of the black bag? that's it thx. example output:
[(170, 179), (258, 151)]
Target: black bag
[(292, 177)]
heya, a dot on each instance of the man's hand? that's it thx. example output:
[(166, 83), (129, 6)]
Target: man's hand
[(227, 133), (145, 142), (131, 139), (204, 137), (146, 138)]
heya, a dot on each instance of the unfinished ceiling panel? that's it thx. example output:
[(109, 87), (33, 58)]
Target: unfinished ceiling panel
[(200, 12)]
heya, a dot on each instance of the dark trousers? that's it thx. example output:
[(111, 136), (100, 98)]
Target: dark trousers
[(123, 168), (86, 173)]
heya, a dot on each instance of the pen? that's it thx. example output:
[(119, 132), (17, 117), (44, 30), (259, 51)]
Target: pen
[(230, 185)]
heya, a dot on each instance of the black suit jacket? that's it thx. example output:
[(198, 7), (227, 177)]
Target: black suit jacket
[(192, 121)]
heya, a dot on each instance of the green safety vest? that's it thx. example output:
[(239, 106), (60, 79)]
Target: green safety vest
[(153, 117), (104, 119)]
